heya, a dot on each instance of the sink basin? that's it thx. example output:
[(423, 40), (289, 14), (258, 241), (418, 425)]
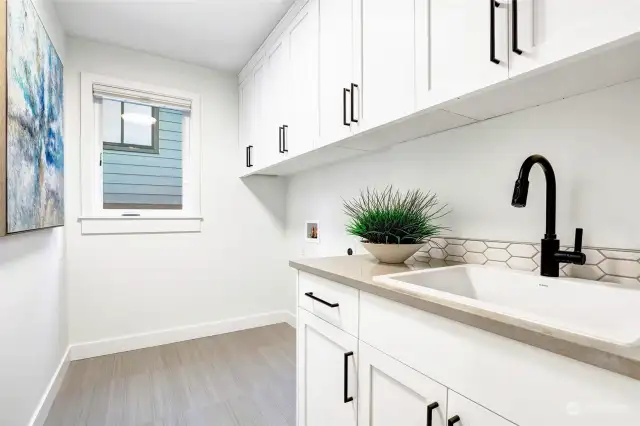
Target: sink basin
[(587, 308)]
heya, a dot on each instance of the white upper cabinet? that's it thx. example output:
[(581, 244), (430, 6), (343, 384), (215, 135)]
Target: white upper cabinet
[(339, 67), (327, 374), (469, 46), (276, 108), (301, 133), (550, 30), (394, 58), (393, 394), (247, 116)]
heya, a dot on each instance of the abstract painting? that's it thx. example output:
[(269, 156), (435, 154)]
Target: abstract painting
[(34, 142)]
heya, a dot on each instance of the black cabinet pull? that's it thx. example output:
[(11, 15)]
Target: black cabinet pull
[(280, 140), (249, 148), (492, 38), (344, 107), (430, 409), (514, 32), (353, 93), (347, 398), (453, 420), (284, 138), (324, 302)]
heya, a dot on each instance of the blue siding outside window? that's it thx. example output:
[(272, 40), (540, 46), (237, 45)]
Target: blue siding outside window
[(137, 180)]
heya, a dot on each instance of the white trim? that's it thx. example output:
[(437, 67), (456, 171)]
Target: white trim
[(291, 319), (125, 94), (139, 225), (156, 338), (46, 402)]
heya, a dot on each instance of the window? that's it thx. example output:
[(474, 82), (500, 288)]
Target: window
[(140, 154)]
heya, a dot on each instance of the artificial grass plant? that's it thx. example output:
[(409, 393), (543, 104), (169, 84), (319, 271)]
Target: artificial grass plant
[(394, 217)]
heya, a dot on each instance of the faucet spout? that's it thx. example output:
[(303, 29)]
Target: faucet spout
[(521, 190)]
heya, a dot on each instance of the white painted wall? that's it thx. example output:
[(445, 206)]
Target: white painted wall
[(591, 140), (127, 284), (33, 329)]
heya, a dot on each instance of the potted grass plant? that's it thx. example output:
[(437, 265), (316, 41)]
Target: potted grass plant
[(394, 225)]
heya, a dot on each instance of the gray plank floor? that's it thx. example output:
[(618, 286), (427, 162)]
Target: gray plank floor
[(245, 378)]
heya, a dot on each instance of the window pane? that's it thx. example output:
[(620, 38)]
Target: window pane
[(138, 124), (111, 121), (144, 180)]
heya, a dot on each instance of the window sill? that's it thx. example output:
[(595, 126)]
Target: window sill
[(101, 225)]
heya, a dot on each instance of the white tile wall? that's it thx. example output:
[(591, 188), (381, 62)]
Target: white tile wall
[(603, 264)]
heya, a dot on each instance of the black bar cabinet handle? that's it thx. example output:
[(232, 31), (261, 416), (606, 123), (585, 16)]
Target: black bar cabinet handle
[(347, 398), (280, 140), (324, 302), (453, 420), (353, 93), (249, 148), (344, 107), (430, 409), (284, 138), (492, 38), (514, 33)]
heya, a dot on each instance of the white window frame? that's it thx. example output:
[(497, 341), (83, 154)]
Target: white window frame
[(97, 220)]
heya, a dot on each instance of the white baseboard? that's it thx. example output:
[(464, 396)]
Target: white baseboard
[(173, 335), (291, 319), (50, 393)]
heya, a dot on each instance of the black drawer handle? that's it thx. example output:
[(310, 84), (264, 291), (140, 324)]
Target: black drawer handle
[(492, 37), (453, 420), (324, 302), (345, 91), (280, 140), (514, 33), (284, 138), (430, 409), (347, 398)]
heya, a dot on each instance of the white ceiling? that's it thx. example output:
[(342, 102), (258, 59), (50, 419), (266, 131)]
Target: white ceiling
[(219, 34)]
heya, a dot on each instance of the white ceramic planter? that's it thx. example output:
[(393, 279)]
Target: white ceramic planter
[(392, 253)]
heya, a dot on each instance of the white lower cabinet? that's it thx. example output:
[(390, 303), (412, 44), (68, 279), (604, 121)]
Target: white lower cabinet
[(327, 373), (462, 412), (392, 394)]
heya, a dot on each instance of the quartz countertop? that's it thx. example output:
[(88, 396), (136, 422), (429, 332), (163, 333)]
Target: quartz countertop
[(358, 272)]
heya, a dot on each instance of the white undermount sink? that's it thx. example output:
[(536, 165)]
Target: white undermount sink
[(582, 307)]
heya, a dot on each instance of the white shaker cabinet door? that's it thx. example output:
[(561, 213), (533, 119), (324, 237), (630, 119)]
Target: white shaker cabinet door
[(463, 412), (301, 132), (247, 104), (546, 31), (275, 109), (339, 64), (327, 373), (393, 394), (259, 135), (469, 46), (388, 60)]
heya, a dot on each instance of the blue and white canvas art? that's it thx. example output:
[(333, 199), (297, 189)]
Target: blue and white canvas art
[(35, 145)]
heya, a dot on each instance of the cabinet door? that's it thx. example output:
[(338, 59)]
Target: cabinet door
[(389, 66), (327, 362), (338, 38), (259, 137), (278, 99), (302, 130), (393, 394), (469, 413), (247, 104), (462, 40), (548, 31)]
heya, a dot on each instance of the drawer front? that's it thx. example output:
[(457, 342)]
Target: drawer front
[(335, 303), (500, 374), (470, 413)]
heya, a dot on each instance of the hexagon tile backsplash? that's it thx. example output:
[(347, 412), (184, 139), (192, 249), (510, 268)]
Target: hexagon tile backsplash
[(610, 265)]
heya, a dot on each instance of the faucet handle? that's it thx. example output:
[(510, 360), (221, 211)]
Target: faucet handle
[(577, 247)]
